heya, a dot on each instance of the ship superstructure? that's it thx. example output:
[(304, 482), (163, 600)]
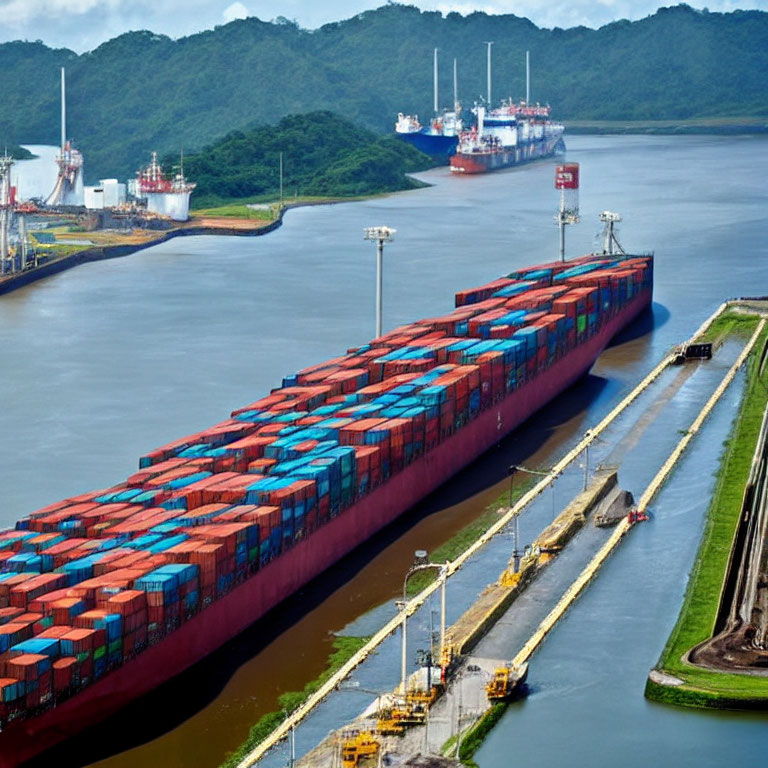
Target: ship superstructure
[(165, 197)]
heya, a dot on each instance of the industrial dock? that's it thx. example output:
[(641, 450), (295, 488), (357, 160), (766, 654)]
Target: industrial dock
[(438, 725)]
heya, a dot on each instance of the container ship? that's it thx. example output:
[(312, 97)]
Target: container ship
[(106, 595), (509, 135)]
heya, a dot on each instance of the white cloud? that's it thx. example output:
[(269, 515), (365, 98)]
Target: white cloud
[(17, 12), (234, 11)]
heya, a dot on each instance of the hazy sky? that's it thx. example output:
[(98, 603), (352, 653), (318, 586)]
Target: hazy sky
[(83, 24)]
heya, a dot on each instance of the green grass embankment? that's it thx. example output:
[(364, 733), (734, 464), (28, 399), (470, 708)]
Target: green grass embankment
[(213, 205), (702, 687), (238, 211), (343, 650), (476, 735)]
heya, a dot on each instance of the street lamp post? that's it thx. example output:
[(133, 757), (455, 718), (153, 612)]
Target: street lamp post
[(381, 235), (588, 436), (420, 563)]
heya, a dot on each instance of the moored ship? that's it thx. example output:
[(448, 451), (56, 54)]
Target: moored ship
[(507, 136), (441, 138), (106, 595), (165, 197)]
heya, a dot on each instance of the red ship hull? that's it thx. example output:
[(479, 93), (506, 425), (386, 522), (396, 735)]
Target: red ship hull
[(494, 160), (227, 617)]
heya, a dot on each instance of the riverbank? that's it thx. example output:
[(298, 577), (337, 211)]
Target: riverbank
[(714, 126), (209, 225), (236, 219), (675, 680)]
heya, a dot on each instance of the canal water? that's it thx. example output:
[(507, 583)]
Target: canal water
[(103, 362)]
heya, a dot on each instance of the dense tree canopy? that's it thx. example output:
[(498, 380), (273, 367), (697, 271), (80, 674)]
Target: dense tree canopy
[(322, 155), (143, 91)]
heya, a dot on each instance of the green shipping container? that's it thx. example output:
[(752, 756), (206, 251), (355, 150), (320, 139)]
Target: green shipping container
[(99, 652), (581, 324)]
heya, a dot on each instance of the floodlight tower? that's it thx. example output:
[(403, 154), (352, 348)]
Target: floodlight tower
[(567, 181), (381, 235)]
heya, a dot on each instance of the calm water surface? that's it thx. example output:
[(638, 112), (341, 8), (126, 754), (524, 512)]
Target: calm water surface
[(106, 361)]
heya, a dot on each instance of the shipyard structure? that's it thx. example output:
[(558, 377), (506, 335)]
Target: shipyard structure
[(164, 197), (106, 595)]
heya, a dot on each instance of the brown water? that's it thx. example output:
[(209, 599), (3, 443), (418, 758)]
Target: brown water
[(106, 361)]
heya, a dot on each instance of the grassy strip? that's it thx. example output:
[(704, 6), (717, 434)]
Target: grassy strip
[(703, 688), (343, 650), (479, 731), (212, 204), (237, 211), (470, 533), (476, 735), (730, 323)]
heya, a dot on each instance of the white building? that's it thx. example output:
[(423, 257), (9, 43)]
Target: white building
[(108, 194)]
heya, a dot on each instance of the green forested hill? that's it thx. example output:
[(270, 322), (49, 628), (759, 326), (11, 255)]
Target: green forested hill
[(142, 91), (322, 155)]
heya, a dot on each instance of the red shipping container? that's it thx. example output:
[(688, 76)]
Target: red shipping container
[(9, 614), (22, 594), (63, 673), (25, 667)]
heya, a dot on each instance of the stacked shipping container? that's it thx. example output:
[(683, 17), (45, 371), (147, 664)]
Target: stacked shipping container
[(88, 583)]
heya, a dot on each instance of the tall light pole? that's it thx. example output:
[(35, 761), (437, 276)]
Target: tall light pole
[(381, 235), (420, 563)]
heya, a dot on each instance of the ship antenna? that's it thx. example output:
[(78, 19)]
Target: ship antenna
[(455, 88), (527, 78), (434, 77), (489, 44)]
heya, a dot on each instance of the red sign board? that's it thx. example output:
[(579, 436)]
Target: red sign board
[(567, 176)]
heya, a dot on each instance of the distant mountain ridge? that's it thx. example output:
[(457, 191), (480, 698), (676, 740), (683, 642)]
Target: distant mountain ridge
[(142, 91)]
